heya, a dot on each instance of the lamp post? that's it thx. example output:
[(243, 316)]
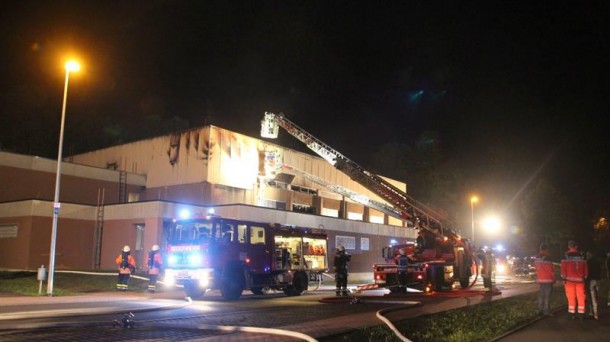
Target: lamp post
[(70, 66), (473, 200)]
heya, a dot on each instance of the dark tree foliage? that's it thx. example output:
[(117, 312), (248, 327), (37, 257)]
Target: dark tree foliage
[(431, 178), (548, 216)]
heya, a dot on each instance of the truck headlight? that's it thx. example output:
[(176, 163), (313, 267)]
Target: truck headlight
[(172, 260), (195, 259)]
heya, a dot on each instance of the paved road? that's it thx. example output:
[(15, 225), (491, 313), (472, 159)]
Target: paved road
[(297, 314)]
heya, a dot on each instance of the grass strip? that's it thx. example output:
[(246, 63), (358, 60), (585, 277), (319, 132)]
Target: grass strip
[(481, 322), (64, 284)]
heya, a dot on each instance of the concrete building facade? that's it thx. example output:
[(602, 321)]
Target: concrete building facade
[(127, 194)]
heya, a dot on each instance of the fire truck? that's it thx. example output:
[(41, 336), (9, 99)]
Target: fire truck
[(211, 252), (448, 257), (435, 265)]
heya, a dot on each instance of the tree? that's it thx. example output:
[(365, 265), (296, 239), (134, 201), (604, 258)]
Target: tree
[(431, 179), (547, 216)]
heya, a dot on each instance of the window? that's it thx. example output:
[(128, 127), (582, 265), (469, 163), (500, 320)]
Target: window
[(139, 237), (257, 235), (302, 208), (226, 233), (241, 233)]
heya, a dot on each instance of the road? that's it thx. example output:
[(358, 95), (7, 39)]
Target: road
[(167, 316)]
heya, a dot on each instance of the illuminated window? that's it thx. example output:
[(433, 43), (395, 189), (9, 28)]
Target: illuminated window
[(257, 235), (354, 216), (241, 233), (330, 212), (376, 219)]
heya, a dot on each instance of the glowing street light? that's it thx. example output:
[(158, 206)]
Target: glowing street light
[(473, 200), (492, 224), (71, 66)]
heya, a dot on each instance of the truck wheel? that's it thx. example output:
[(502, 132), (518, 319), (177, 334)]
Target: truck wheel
[(464, 282), (300, 282), (193, 290), (233, 283)]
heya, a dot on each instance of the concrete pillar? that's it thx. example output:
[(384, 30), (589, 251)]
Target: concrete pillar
[(318, 203), (343, 209)]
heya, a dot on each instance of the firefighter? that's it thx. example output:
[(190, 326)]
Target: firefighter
[(127, 265), (340, 266), (154, 267), (545, 275), (402, 262), (574, 271), (488, 263), (419, 242)]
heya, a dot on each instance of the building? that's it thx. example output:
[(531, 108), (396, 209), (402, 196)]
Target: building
[(126, 194)]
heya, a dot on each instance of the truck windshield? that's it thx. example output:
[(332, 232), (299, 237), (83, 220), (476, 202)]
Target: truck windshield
[(193, 231)]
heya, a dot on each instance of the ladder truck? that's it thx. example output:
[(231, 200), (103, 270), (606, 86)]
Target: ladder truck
[(450, 259)]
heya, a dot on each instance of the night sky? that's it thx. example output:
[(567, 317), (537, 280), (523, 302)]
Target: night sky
[(515, 90)]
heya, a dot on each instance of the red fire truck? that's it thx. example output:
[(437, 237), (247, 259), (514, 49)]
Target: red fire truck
[(212, 252), (439, 266), (436, 268)]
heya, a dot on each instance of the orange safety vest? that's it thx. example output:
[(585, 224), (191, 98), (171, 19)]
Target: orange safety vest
[(131, 264), (574, 268), (544, 269)]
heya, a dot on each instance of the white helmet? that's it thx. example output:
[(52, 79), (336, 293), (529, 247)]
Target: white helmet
[(155, 247), (126, 249)]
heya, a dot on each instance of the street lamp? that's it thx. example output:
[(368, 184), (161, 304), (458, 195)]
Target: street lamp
[(473, 200), (492, 224), (70, 66)]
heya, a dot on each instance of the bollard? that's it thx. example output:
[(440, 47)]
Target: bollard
[(41, 276)]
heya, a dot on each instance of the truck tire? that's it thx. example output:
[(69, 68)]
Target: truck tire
[(193, 290), (300, 281), (464, 282), (233, 283)]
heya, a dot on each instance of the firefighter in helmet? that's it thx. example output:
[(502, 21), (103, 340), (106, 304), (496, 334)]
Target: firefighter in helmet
[(127, 265), (402, 262), (340, 266), (154, 267)]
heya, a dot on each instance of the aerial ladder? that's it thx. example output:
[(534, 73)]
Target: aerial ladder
[(400, 205), (404, 207)]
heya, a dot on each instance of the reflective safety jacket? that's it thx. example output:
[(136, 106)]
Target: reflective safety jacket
[(574, 267), (544, 269), (126, 262), (154, 262)]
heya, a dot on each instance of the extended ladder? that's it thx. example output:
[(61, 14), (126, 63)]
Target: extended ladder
[(403, 206)]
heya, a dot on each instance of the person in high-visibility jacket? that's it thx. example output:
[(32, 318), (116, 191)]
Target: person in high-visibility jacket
[(574, 271), (127, 265), (545, 276), (154, 267)]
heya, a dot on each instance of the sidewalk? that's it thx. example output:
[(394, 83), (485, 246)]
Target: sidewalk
[(560, 328), (21, 307)]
